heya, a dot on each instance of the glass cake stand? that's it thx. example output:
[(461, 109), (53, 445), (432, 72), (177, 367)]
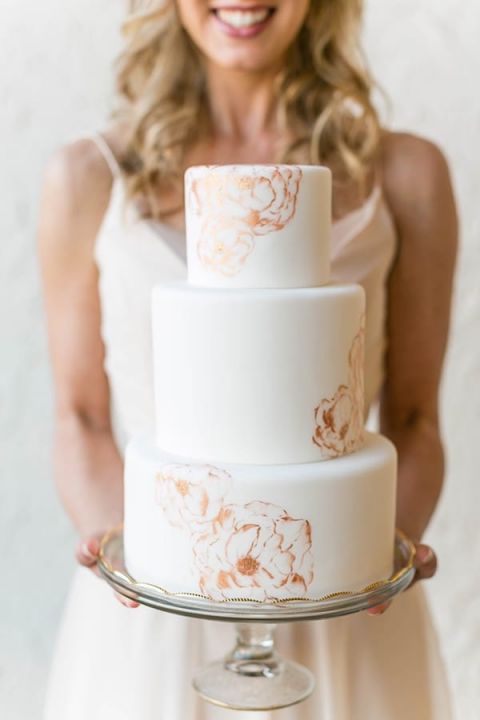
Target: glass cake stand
[(253, 676)]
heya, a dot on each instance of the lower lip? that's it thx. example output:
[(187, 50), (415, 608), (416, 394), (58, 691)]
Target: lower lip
[(244, 32)]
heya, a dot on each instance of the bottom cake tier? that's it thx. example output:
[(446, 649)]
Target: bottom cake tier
[(257, 531)]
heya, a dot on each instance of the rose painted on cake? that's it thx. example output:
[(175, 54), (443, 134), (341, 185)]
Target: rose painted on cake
[(356, 364), (257, 549), (243, 205), (356, 355), (334, 432), (225, 252), (339, 423), (191, 494)]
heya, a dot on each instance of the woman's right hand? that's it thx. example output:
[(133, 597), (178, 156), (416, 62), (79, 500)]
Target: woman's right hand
[(87, 552)]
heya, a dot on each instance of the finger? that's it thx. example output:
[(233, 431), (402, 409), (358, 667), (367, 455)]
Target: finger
[(425, 562), (87, 551), (127, 602), (379, 609)]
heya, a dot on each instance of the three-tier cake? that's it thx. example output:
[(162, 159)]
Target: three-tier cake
[(262, 482)]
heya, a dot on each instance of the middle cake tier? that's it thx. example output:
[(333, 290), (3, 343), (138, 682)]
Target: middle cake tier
[(259, 376)]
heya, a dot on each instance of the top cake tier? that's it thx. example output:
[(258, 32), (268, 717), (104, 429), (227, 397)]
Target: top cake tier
[(258, 226)]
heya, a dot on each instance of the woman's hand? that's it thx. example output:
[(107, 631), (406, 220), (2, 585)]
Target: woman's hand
[(87, 552), (425, 563)]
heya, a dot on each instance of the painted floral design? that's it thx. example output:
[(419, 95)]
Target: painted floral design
[(339, 419), (256, 549), (225, 250), (190, 494), (234, 209), (356, 366)]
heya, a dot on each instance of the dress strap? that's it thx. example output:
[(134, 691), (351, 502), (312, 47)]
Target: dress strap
[(107, 153)]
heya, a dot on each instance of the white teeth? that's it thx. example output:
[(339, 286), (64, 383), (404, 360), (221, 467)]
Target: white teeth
[(242, 18)]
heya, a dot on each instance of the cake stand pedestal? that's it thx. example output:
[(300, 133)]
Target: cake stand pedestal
[(253, 676)]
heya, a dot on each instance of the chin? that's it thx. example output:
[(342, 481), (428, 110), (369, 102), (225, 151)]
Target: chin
[(258, 54), (245, 61)]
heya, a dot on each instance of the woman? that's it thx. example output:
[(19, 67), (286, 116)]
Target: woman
[(219, 82)]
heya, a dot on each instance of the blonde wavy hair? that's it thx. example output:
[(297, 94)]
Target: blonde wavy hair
[(324, 95)]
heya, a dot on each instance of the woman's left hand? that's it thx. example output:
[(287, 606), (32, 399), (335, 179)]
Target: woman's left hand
[(425, 563)]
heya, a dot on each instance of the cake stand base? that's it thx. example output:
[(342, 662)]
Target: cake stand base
[(253, 676)]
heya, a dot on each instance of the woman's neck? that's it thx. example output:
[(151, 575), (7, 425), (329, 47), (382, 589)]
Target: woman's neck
[(242, 105)]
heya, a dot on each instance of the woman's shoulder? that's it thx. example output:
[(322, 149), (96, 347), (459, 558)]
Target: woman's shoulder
[(77, 184), (415, 171), (79, 169), (420, 195), (75, 195)]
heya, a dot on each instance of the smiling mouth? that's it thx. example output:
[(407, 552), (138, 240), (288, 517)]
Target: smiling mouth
[(243, 18)]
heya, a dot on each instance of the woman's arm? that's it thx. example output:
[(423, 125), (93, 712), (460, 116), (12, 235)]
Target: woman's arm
[(418, 189), (87, 464)]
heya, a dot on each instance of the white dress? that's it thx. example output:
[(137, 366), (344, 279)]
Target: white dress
[(114, 663)]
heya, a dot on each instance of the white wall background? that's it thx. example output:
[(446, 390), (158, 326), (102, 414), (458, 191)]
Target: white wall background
[(55, 85)]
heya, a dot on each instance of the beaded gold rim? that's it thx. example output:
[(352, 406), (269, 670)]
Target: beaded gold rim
[(127, 579)]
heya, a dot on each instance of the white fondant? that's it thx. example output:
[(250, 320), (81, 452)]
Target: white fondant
[(258, 226), (258, 372), (238, 373), (348, 502)]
